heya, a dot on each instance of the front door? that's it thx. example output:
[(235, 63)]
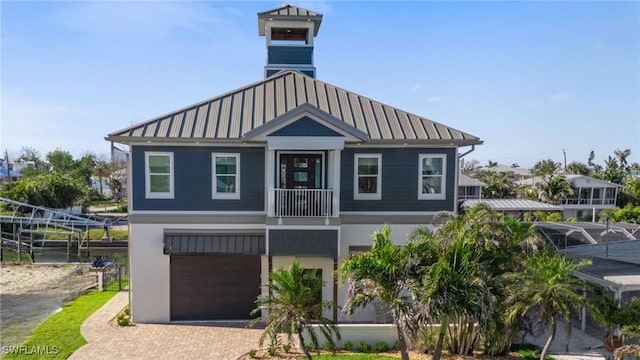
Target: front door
[(301, 171), (301, 181)]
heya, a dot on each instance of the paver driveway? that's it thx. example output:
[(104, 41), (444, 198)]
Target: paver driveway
[(161, 341)]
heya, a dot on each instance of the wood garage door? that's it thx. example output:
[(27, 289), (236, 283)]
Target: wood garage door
[(214, 287)]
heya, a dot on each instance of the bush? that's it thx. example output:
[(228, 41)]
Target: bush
[(252, 353), (363, 347), (286, 347), (347, 345), (382, 347), (327, 346), (396, 346)]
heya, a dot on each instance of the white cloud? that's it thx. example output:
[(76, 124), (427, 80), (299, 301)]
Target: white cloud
[(560, 98), (416, 87)]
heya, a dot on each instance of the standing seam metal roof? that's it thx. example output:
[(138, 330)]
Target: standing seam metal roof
[(231, 115)]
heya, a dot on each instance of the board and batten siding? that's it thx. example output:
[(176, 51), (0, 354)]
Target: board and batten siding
[(399, 181), (192, 176)]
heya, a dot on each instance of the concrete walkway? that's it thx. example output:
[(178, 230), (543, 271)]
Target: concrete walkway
[(161, 341), (582, 346)]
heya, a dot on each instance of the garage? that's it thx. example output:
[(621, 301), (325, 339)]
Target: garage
[(213, 277), (214, 287)]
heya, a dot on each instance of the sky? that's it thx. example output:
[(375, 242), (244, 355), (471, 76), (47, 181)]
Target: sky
[(531, 79)]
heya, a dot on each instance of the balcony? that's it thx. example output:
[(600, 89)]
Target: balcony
[(302, 203)]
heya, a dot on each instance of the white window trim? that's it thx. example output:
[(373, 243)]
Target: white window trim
[(442, 195), (214, 188), (360, 196), (147, 176)]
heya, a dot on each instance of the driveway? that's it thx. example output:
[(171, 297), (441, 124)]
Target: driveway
[(161, 341)]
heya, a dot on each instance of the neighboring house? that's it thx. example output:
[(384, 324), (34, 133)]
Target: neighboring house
[(226, 190), (6, 174), (518, 173), (469, 188), (512, 207), (590, 197)]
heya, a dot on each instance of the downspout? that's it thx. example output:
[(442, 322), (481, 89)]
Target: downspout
[(457, 202), (473, 147)]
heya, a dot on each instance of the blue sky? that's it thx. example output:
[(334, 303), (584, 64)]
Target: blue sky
[(528, 78)]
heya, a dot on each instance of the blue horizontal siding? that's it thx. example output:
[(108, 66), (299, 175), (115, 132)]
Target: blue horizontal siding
[(305, 126), (299, 55), (193, 179), (399, 181)]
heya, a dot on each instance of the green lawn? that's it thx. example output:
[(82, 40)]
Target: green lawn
[(12, 256), (59, 336), (339, 356)]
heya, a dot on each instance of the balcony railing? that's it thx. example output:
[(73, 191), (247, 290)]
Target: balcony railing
[(595, 201), (303, 202)]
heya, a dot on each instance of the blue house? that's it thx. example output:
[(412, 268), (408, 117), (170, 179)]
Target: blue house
[(224, 191)]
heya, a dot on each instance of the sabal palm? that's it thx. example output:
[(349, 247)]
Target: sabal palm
[(291, 306), (380, 273), (547, 287)]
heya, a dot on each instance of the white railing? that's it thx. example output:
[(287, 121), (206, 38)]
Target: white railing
[(303, 202)]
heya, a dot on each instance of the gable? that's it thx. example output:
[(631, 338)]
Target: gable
[(305, 127), (237, 114)]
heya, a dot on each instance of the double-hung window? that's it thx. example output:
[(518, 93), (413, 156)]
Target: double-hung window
[(226, 176), (159, 175), (432, 176), (368, 177)]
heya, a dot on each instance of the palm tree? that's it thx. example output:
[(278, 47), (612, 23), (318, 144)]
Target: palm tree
[(554, 189), (497, 244), (548, 288), (622, 155), (382, 274), (456, 289), (291, 305), (499, 185), (577, 168), (546, 168)]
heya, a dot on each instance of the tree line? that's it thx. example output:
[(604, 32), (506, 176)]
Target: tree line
[(553, 186), (58, 180)]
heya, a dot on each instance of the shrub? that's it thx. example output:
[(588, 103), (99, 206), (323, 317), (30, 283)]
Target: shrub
[(347, 345), (252, 353), (364, 347), (396, 346), (327, 346), (123, 320), (382, 347), (286, 347)]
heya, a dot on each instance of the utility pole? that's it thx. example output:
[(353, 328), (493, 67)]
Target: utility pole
[(565, 160)]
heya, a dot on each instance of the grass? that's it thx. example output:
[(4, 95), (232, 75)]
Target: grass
[(59, 336), (528, 351), (338, 356), (12, 256), (94, 234)]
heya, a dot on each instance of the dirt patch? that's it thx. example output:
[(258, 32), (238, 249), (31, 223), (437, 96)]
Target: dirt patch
[(30, 293)]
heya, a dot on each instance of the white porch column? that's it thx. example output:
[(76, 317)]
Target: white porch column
[(270, 182), (335, 181)]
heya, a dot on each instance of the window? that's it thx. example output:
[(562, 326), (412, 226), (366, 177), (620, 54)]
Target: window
[(226, 176), (368, 177), (431, 177), (159, 175)]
